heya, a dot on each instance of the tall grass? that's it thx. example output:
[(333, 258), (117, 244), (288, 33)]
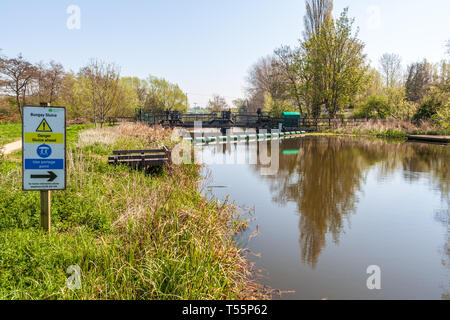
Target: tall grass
[(9, 132), (389, 128), (134, 236)]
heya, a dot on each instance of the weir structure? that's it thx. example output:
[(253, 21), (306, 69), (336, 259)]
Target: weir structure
[(223, 120)]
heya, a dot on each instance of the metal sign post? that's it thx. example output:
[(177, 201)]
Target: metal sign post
[(44, 154)]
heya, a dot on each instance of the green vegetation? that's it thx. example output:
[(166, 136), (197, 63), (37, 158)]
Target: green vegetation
[(389, 128), (423, 98), (435, 107), (96, 92), (375, 107), (322, 75), (388, 133), (157, 95), (332, 63), (134, 235), (10, 132), (327, 75), (73, 131), (276, 107)]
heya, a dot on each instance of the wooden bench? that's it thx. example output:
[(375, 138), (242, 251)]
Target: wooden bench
[(141, 159)]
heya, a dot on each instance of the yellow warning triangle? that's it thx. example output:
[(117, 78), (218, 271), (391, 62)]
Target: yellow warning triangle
[(44, 127)]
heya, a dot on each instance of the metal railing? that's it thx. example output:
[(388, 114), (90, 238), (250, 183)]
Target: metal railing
[(228, 119)]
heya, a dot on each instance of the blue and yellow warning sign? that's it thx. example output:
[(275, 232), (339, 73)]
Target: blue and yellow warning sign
[(44, 148)]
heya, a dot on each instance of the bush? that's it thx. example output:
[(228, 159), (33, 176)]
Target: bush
[(427, 110), (442, 117), (435, 107), (375, 107), (391, 133)]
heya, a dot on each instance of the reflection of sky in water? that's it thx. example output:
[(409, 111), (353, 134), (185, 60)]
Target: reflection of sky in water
[(341, 205)]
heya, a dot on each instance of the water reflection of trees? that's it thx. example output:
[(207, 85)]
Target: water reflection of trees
[(443, 216), (326, 175)]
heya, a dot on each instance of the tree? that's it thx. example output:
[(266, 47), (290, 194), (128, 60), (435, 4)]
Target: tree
[(127, 100), (333, 66), (276, 107), (435, 106), (375, 107), (240, 105), (162, 95), (103, 84), (318, 15), (255, 101), (318, 12), (140, 86), (49, 81), (74, 98), (443, 79), (442, 117), (288, 72), (418, 80), (374, 83), (390, 64), (399, 107), (17, 75), (263, 77), (217, 103)]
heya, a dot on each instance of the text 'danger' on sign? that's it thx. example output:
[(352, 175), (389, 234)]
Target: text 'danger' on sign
[(34, 137), (44, 148)]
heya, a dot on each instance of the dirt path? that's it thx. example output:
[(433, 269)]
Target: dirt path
[(11, 147)]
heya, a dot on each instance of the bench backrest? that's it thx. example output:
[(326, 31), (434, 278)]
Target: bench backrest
[(126, 152)]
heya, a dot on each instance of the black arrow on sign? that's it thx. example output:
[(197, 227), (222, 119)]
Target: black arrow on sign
[(50, 176)]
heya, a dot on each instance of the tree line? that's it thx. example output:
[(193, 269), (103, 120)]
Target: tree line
[(328, 75), (97, 92)]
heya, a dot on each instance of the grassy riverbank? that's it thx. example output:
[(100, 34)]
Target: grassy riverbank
[(387, 129), (134, 236), (10, 132)]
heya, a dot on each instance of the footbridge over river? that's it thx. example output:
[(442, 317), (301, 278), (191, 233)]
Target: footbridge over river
[(289, 121), (226, 119)]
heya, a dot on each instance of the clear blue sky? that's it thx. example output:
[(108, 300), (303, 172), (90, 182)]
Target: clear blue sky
[(207, 46)]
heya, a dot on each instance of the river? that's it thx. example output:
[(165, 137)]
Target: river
[(334, 207)]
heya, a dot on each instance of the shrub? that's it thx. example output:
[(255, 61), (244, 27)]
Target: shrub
[(427, 110), (442, 117), (375, 107), (435, 107)]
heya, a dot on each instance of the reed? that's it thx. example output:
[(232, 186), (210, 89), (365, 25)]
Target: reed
[(389, 128)]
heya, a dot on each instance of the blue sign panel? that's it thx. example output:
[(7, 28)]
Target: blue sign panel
[(40, 164), (44, 151)]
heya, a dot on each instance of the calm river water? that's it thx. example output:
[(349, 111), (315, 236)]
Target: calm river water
[(337, 206)]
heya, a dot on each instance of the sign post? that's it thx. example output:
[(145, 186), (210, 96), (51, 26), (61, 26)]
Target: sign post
[(45, 210), (44, 154)]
